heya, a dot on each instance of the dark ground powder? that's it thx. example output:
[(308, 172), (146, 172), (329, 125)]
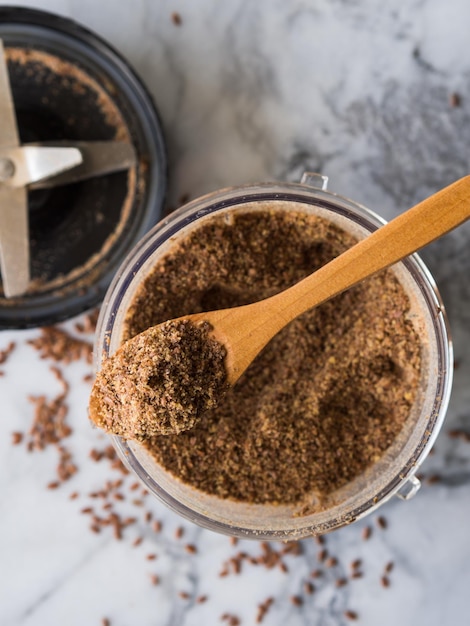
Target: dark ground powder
[(329, 393), (159, 382)]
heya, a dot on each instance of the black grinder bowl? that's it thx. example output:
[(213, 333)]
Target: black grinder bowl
[(69, 85)]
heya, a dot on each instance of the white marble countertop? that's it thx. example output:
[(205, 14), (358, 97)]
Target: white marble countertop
[(252, 91)]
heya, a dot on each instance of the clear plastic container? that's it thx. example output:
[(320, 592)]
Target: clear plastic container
[(394, 473)]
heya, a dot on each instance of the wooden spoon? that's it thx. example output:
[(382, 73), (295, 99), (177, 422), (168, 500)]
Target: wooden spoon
[(125, 403), (245, 330)]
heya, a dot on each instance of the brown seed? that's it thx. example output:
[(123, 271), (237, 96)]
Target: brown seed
[(352, 615), (341, 582), (234, 541), (385, 581), (366, 533), (382, 522), (455, 100), (331, 562), (179, 532), (155, 580), (74, 495), (53, 485), (137, 541), (356, 564), (190, 548), (105, 622), (322, 555), (176, 18), (151, 557), (389, 567), (309, 588), (357, 574), (317, 573), (157, 526), (296, 600), (201, 599), (87, 510), (16, 438), (184, 595)]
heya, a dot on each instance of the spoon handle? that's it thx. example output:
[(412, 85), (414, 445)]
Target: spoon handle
[(397, 239)]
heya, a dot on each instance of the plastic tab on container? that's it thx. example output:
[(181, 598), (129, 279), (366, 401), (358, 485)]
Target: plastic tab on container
[(409, 489), (312, 179)]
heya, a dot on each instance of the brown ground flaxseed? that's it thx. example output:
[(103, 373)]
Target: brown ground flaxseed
[(159, 382), (325, 398)]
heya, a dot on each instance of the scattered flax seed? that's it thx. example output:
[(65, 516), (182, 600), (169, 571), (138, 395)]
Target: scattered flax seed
[(382, 522), (134, 486), (154, 579), (190, 548), (341, 582), (157, 526), (179, 532), (366, 533), (357, 574), (389, 567), (5, 353), (16, 438), (309, 588), (455, 100), (433, 479), (385, 581), (331, 562), (232, 620), (317, 573), (201, 599), (234, 541), (151, 557), (59, 345), (74, 495), (263, 608), (320, 539), (53, 485), (148, 516), (322, 555), (296, 600), (88, 325), (176, 19), (356, 564), (459, 433), (352, 615), (87, 510), (184, 595), (105, 622), (137, 541)]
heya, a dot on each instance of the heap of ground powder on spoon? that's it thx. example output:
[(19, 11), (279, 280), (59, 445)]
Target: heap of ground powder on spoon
[(160, 382), (325, 398)]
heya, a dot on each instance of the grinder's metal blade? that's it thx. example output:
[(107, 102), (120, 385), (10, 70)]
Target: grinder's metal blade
[(14, 241), (31, 163), (99, 158), (9, 137)]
